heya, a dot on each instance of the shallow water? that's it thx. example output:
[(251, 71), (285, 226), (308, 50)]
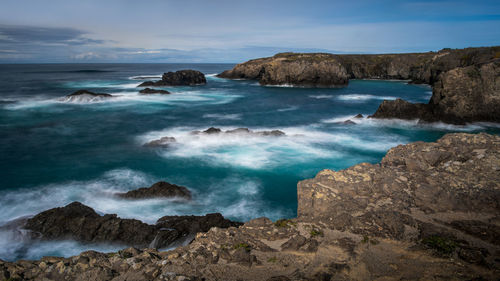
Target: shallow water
[(55, 152)]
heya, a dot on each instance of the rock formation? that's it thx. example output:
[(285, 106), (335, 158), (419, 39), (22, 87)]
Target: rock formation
[(158, 190), (178, 78), (84, 96), (149, 91), (213, 130), (79, 222), (428, 211), (161, 142), (465, 81)]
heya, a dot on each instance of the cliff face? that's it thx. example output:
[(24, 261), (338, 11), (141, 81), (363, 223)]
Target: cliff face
[(428, 211), (465, 81)]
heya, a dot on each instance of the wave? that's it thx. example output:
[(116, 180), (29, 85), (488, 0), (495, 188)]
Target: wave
[(223, 116), (73, 71), (145, 77), (361, 97), (236, 197), (291, 108), (321, 96)]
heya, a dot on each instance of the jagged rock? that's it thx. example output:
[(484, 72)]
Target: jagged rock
[(212, 130), (79, 222), (359, 116), (401, 109), (149, 91), (157, 190), (162, 142), (349, 122), (178, 78), (84, 96), (275, 133)]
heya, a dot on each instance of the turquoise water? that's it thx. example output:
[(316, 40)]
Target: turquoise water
[(54, 152)]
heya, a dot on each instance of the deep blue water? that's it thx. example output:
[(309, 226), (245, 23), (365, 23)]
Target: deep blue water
[(54, 152)]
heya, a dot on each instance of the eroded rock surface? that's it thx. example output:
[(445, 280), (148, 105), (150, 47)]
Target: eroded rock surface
[(428, 211)]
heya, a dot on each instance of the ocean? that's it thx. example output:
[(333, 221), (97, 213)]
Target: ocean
[(54, 152)]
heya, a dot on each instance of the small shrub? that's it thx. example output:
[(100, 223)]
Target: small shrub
[(242, 246), (365, 239), (284, 223), (441, 245)]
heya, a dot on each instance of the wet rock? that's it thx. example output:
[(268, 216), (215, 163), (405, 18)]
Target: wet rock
[(212, 130), (149, 91), (84, 96), (359, 116), (162, 142), (158, 190)]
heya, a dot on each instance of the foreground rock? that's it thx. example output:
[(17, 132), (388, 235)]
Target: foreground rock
[(158, 190), (79, 222), (149, 91), (178, 78), (84, 96), (428, 211), (465, 81)]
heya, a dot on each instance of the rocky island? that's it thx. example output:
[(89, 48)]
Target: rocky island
[(178, 78), (465, 81), (426, 211)]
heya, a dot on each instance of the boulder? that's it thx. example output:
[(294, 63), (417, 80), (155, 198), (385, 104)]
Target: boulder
[(401, 109), (212, 130), (85, 96), (158, 190), (149, 91)]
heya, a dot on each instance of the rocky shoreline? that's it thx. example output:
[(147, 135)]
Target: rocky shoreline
[(466, 82), (427, 211)]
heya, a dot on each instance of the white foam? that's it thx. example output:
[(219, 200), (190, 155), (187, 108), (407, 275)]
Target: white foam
[(291, 108), (223, 116), (146, 77), (360, 97), (321, 96)]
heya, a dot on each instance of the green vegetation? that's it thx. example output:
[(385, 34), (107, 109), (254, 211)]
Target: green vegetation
[(273, 260), (112, 254), (316, 232), (367, 239), (284, 223), (441, 245), (242, 246)]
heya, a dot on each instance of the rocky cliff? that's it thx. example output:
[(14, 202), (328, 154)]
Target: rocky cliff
[(465, 81), (427, 211)]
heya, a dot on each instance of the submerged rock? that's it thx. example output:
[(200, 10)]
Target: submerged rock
[(158, 190), (178, 78), (162, 142), (84, 96), (149, 91), (79, 222), (240, 131)]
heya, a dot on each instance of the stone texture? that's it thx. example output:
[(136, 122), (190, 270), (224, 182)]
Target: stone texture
[(158, 190)]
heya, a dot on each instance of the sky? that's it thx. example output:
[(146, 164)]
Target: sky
[(211, 31)]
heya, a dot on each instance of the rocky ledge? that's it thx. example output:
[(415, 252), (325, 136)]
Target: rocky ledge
[(427, 211), (178, 78), (81, 223), (465, 81)]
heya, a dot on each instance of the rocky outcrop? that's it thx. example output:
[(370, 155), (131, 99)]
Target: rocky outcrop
[(161, 142), (178, 78), (240, 131), (465, 81), (79, 222), (84, 96), (149, 91), (428, 211), (158, 190)]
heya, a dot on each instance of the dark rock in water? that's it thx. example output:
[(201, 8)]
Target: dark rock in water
[(239, 131), (275, 133), (349, 122), (212, 130), (85, 92), (149, 91), (84, 96), (157, 190), (79, 222), (359, 116), (178, 78), (402, 109), (162, 142)]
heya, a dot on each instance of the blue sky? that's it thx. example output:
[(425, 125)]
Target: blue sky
[(234, 31)]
